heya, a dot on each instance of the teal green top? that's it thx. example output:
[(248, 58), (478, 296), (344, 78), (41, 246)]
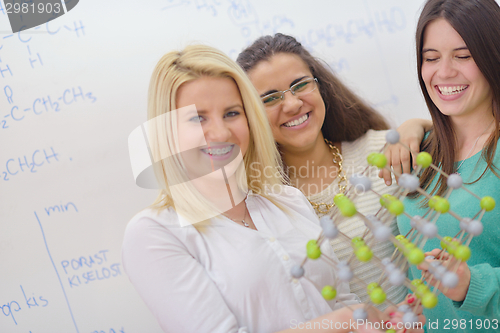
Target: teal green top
[(481, 307)]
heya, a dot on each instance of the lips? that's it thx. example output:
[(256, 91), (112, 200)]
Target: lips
[(297, 121)]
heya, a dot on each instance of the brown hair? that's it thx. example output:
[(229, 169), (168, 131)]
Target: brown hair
[(476, 21), (347, 117)]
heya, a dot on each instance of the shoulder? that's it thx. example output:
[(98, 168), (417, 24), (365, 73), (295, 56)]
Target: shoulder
[(161, 217), (151, 225), (356, 152), (371, 140), (290, 199), (151, 233), (286, 194)]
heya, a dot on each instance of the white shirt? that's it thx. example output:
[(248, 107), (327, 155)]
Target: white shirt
[(228, 278)]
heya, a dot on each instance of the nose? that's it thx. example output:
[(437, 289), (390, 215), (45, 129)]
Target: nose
[(446, 68), (291, 103), (217, 131)]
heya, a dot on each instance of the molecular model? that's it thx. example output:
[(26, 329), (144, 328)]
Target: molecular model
[(408, 248)]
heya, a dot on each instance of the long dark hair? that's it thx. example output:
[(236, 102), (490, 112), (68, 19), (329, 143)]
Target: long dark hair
[(347, 117), (477, 22)]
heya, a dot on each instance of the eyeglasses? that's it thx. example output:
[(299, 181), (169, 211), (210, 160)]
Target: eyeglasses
[(298, 89)]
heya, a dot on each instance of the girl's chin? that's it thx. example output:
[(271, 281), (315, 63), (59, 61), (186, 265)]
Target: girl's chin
[(302, 142)]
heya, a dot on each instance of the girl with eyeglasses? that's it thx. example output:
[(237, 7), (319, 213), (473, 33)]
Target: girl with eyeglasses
[(324, 133), (214, 253), (458, 62)]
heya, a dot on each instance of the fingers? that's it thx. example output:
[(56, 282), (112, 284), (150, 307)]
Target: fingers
[(405, 157), (415, 149), (436, 253), (386, 174), (399, 159), (424, 265), (418, 310), (390, 309), (396, 160)]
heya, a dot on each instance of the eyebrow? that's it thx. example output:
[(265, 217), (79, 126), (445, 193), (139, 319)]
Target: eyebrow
[(457, 49), (202, 112), (291, 84)]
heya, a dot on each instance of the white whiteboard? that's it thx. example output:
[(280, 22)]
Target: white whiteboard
[(72, 90)]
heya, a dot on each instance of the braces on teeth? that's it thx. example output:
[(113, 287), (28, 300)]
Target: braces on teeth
[(218, 151)]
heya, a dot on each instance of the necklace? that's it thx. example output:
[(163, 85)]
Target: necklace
[(474, 146), (242, 220), (321, 207)]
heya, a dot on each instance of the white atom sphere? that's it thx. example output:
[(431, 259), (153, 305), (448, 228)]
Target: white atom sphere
[(397, 278), (434, 263), (402, 180), (361, 183), (449, 280), (372, 218), (359, 314), (410, 317), (429, 230), (297, 271), (344, 273), (475, 228), (392, 137), (439, 272), (386, 261), (454, 181), (409, 182), (325, 220), (464, 223), (415, 221), (330, 231), (390, 267), (382, 233), (343, 263), (404, 308)]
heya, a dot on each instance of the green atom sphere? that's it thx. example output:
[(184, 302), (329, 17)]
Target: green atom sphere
[(429, 300), (313, 250), (345, 205), (363, 253), (378, 295), (424, 159), (396, 208), (487, 203), (416, 256), (377, 159), (445, 242), (462, 252), (328, 293), (416, 282), (371, 286), (442, 205), (421, 290)]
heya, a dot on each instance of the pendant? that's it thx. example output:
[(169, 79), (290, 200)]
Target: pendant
[(245, 224)]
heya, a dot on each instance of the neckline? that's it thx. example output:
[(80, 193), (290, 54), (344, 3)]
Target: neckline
[(468, 158)]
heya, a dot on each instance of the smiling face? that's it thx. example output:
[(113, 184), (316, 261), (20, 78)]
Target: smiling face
[(212, 135), (453, 80), (296, 122)]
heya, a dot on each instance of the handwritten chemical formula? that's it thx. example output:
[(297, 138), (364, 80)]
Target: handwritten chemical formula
[(43, 104)]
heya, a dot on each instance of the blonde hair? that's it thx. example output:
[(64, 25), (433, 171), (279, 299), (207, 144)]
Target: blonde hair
[(262, 162)]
